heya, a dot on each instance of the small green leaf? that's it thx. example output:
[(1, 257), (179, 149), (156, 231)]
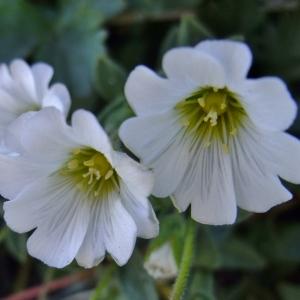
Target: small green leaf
[(108, 286), (208, 254), (21, 27), (135, 281), (4, 231), (110, 78), (228, 17), (16, 245), (73, 52), (237, 254), (93, 12), (172, 229), (243, 215), (202, 286), (112, 116), (189, 32), (289, 291), (288, 243)]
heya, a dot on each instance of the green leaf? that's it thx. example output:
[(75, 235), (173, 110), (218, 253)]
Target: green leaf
[(243, 215), (93, 12), (278, 39), (109, 286), (16, 245), (73, 52), (202, 286), (21, 27), (110, 78), (112, 116), (136, 282), (4, 231), (228, 17), (237, 254), (189, 32), (208, 255), (172, 229), (289, 291), (159, 6), (288, 243)]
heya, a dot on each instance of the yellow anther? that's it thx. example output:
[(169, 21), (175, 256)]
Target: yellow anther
[(97, 174), (87, 173), (108, 174), (223, 106), (89, 163), (201, 102), (212, 116), (73, 164)]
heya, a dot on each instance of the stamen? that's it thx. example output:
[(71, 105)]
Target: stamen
[(108, 174), (212, 116), (89, 163), (73, 164), (201, 101), (223, 106)]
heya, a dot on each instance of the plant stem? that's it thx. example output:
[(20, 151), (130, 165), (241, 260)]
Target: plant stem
[(186, 263)]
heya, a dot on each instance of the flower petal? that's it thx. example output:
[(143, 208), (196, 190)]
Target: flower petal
[(10, 104), (209, 187), (120, 231), (135, 176), (13, 131), (24, 80), (269, 103), (47, 137), (30, 207), (58, 96), (90, 133), (235, 57), (158, 141), (19, 173), (5, 76), (141, 211), (92, 250), (257, 189), (58, 238), (193, 68), (147, 93), (284, 150), (42, 74)]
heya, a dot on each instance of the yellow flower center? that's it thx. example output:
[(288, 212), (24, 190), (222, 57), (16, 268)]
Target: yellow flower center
[(91, 172), (212, 114)]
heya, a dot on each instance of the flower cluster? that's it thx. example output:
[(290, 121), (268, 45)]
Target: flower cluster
[(206, 135)]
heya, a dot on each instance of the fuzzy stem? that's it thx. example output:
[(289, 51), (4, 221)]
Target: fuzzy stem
[(185, 264)]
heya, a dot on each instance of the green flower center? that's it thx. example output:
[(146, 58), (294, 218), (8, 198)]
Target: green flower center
[(91, 172), (212, 114)]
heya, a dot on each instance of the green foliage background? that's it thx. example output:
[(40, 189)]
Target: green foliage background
[(93, 45)]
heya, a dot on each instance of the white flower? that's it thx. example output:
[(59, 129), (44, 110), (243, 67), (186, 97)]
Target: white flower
[(213, 138), (83, 198), (24, 90), (161, 263)]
